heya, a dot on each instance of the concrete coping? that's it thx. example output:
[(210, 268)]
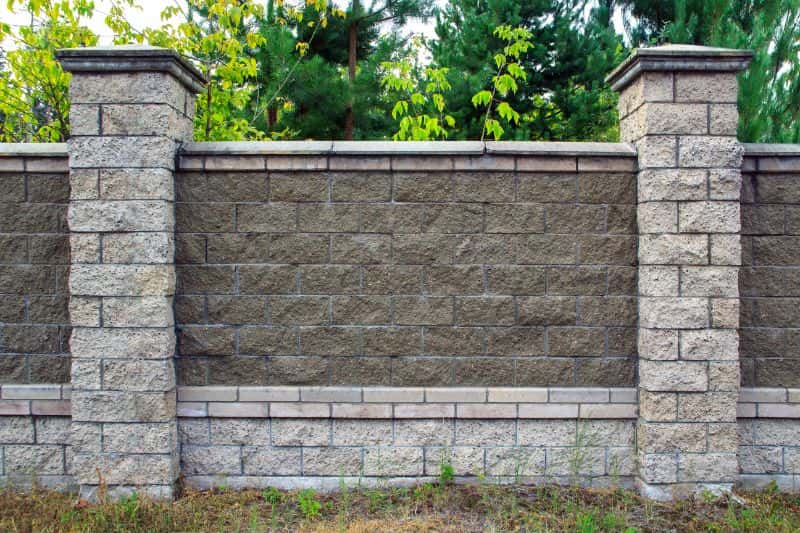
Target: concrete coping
[(132, 58), (771, 150), (678, 57), (33, 149), (433, 148)]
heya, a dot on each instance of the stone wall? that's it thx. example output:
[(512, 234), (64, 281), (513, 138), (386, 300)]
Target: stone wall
[(770, 277), (301, 313), (440, 271), (34, 263)]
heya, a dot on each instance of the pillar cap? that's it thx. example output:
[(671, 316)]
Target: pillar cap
[(132, 58), (678, 57)]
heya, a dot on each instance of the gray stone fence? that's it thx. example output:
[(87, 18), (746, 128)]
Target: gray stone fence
[(305, 313)]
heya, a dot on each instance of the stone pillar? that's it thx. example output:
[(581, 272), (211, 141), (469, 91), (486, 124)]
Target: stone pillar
[(678, 107), (131, 107)]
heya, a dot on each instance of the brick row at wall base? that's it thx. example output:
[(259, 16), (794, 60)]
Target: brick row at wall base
[(322, 453)]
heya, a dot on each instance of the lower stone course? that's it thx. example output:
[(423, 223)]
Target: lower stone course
[(35, 451), (288, 452)]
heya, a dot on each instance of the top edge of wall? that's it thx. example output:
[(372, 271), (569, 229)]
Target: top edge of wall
[(33, 149), (433, 148), (771, 150)]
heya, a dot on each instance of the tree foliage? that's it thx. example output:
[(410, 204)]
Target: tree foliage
[(769, 90), (288, 69), (564, 96), (33, 88)]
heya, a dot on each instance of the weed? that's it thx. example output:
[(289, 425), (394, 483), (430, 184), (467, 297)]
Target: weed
[(272, 496), (310, 507), (446, 472)]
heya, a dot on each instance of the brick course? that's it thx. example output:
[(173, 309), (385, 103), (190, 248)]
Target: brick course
[(769, 281), (34, 265), (406, 278)]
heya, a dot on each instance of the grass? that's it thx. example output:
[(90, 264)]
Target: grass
[(429, 507)]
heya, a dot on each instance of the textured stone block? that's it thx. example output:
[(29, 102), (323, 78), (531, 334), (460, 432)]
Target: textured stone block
[(393, 461), (135, 184), (263, 461), (122, 280), (710, 217), (710, 344), (667, 376), (658, 217), (122, 152), (145, 119), (152, 343), (671, 249), (140, 438), (673, 312), (706, 87), (121, 406), (146, 311)]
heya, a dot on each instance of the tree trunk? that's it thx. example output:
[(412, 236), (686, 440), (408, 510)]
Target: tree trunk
[(352, 42)]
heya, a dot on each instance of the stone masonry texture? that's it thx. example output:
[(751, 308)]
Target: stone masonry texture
[(293, 314), (406, 278), (34, 267), (689, 255), (770, 279), (127, 123)]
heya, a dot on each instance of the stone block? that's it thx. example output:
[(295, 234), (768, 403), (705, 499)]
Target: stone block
[(145, 120), (212, 460), (658, 151), (708, 407), (33, 460), (146, 311), (84, 119), (658, 217), (269, 461), (709, 217), (710, 344), (672, 249), (85, 247), (152, 343), (706, 87), (709, 152), (332, 462), (675, 118), (545, 433), (122, 406), (362, 432), (515, 461), (124, 88), (122, 280), (667, 376), (140, 438), (465, 461), (657, 406), (673, 312), (120, 215), (671, 437), (122, 152), (659, 280), (393, 461), (311, 432), (725, 250), (658, 468), (459, 218), (244, 431), (138, 375), (708, 467), (136, 184), (672, 185), (16, 430)]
